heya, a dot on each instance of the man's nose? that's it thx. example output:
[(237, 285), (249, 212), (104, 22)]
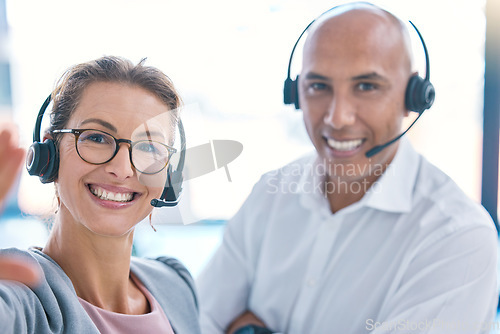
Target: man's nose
[(341, 112)]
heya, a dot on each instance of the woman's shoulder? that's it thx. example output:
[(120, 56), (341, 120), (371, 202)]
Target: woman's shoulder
[(163, 269), (161, 263), (170, 282)]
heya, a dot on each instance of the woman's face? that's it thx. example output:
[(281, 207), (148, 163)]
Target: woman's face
[(108, 199)]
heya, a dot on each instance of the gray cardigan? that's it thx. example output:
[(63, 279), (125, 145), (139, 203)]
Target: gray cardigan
[(53, 307)]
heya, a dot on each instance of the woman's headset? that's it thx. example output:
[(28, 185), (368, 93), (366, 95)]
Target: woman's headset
[(42, 160)]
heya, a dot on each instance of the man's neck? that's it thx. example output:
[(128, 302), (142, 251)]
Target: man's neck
[(342, 192), (341, 199)]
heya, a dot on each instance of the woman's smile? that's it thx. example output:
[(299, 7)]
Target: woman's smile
[(110, 195)]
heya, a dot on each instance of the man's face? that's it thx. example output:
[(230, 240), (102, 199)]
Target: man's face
[(351, 88)]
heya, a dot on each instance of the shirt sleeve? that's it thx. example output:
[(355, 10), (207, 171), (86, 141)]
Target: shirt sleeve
[(448, 286), (224, 284), (12, 316)]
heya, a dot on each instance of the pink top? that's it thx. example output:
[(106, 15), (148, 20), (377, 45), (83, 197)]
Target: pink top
[(110, 322)]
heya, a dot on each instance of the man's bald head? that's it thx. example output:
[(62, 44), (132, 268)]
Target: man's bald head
[(362, 23)]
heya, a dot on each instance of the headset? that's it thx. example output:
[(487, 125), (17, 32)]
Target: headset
[(419, 94), (42, 160)]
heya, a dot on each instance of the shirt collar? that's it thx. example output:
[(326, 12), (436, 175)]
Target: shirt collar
[(310, 186), (392, 192)]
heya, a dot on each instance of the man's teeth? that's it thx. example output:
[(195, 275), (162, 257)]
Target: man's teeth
[(110, 196), (346, 145)]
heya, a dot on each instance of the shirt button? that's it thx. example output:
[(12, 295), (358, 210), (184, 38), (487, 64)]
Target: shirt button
[(311, 282)]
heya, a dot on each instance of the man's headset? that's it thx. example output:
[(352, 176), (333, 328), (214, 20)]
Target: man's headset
[(42, 160), (419, 94)]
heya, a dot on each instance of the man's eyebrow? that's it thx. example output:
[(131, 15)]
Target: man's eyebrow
[(101, 122), (364, 76), (316, 76), (369, 76)]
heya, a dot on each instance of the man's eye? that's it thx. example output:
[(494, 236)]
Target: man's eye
[(317, 86), (366, 86)]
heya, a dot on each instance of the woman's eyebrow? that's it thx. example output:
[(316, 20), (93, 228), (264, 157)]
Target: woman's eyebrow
[(101, 122), (149, 134)]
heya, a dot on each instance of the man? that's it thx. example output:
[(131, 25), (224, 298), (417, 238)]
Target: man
[(342, 243)]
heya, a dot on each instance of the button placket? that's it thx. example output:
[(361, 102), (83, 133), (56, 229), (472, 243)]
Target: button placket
[(318, 261)]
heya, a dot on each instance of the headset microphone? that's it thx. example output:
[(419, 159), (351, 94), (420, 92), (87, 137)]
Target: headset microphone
[(379, 148)]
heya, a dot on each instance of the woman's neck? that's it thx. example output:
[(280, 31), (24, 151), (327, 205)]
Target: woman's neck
[(98, 266)]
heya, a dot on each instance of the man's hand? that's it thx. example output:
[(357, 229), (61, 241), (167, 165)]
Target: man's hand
[(246, 318), (11, 159), (16, 269)]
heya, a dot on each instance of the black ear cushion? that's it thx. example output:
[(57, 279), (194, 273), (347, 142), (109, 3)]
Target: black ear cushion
[(42, 161), (427, 93), (51, 173), (291, 92), (419, 94)]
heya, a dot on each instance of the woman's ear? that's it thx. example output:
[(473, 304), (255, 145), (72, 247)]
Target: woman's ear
[(46, 136)]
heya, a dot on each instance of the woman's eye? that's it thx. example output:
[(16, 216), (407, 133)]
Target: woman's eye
[(97, 138), (147, 147)]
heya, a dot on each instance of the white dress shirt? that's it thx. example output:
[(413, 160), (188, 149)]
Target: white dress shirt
[(414, 255)]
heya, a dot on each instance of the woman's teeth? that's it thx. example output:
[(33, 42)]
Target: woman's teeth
[(346, 145), (111, 196)]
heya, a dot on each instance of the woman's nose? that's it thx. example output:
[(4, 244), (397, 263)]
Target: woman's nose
[(120, 165)]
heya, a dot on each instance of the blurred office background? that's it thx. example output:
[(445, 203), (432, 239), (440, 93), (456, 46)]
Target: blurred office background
[(229, 61)]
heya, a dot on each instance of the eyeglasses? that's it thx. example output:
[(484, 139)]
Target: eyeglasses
[(98, 147)]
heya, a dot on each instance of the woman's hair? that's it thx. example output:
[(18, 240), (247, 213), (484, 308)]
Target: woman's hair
[(70, 87)]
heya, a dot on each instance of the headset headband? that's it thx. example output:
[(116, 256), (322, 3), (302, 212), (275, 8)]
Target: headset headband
[(419, 95)]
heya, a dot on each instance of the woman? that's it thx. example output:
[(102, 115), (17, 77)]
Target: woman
[(113, 143)]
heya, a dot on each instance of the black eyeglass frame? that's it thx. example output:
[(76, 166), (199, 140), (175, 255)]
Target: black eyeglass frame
[(78, 132)]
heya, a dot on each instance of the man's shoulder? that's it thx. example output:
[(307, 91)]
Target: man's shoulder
[(437, 191)]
